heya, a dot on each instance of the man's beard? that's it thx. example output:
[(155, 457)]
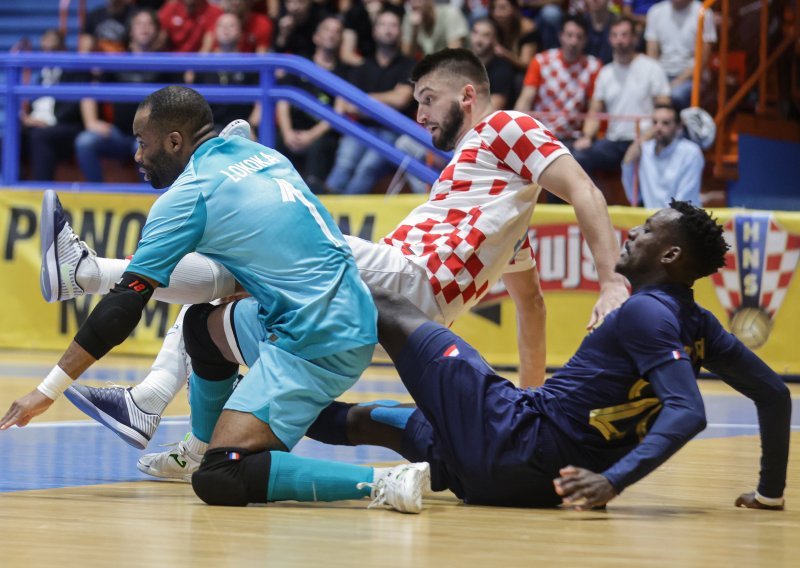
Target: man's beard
[(163, 172), (449, 128)]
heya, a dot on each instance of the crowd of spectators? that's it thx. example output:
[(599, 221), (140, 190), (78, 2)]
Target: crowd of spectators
[(598, 73)]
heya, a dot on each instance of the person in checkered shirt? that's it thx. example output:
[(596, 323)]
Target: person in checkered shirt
[(447, 253)]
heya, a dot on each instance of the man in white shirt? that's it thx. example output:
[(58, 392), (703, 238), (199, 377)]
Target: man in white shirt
[(671, 36), (627, 89), (669, 166)]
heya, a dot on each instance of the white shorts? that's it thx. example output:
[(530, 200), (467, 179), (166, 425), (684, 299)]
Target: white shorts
[(384, 266)]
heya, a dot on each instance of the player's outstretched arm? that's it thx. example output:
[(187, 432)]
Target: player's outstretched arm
[(567, 180), (583, 489)]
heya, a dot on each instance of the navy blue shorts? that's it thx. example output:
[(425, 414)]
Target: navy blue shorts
[(478, 431)]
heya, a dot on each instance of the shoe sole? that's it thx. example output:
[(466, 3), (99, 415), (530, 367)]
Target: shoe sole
[(129, 435), (152, 473), (48, 279)]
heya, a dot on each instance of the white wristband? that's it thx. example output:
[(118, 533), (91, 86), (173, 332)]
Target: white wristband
[(56, 382), (769, 501)]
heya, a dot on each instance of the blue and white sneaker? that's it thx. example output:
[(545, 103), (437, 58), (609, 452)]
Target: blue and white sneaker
[(236, 127), (62, 252), (114, 408)]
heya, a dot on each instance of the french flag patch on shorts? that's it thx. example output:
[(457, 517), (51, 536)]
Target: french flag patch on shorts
[(452, 351)]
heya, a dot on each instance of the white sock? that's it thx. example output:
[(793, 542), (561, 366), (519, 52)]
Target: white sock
[(195, 445), (379, 473), (98, 275), (197, 280), (168, 373)]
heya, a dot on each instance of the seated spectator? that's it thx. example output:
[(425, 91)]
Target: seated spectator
[(631, 85), (256, 28), (519, 38), (227, 39), (637, 10), (483, 43), (50, 126), (105, 28), (599, 18), (561, 81), (309, 143), (669, 166), (185, 22), (429, 27), (385, 77), (296, 27), (547, 14), (114, 138), (671, 36), (357, 40)]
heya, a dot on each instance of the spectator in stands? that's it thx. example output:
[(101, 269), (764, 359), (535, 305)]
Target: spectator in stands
[(429, 27), (309, 143), (227, 39), (637, 10), (185, 22), (114, 138), (296, 27), (547, 14), (631, 85), (357, 40), (669, 166), (599, 18), (519, 38), (560, 82), (385, 77), (483, 42), (671, 36), (49, 125), (105, 28), (256, 34)]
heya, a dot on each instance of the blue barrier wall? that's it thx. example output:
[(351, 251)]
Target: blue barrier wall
[(768, 176)]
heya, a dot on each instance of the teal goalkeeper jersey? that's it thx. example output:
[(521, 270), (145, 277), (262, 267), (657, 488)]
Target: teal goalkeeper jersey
[(244, 206)]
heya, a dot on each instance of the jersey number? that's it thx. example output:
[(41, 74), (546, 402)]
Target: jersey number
[(604, 418), (290, 194)]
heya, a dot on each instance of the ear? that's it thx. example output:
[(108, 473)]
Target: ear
[(672, 255), (469, 96), (174, 142)]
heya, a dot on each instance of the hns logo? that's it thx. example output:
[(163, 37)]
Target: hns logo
[(759, 268)]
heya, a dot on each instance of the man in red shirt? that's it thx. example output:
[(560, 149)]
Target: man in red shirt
[(186, 22)]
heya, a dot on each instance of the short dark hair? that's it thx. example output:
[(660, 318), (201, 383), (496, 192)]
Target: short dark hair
[(669, 106), (178, 108), (489, 22), (703, 237), (460, 61), (578, 20), (625, 20)]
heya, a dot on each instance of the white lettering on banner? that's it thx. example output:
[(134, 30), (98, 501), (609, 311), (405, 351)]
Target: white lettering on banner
[(563, 257), (243, 168)]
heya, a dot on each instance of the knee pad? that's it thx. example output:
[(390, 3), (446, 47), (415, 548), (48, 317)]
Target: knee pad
[(207, 360), (232, 477)]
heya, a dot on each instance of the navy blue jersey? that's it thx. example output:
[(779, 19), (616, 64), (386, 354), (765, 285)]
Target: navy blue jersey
[(628, 398)]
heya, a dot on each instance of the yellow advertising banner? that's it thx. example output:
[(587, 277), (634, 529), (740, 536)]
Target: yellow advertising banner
[(756, 293)]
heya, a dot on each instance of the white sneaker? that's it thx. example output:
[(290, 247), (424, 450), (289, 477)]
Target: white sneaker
[(62, 252), (178, 464), (236, 127), (401, 487)]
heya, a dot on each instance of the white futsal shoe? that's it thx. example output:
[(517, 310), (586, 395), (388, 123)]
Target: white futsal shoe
[(62, 252), (401, 487), (178, 464), (236, 127)]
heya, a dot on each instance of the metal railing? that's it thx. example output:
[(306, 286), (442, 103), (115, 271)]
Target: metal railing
[(267, 93)]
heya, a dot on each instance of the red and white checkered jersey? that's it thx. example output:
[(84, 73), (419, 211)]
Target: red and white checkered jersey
[(474, 226), (562, 87)]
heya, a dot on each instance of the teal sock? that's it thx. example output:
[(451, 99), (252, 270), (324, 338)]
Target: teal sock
[(292, 478), (206, 399)]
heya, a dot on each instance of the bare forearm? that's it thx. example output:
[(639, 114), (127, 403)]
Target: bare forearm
[(75, 360)]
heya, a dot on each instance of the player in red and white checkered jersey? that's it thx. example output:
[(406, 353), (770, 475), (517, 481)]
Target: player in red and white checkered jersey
[(471, 232)]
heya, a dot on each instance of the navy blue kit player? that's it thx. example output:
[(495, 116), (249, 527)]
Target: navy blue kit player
[(623, 404)]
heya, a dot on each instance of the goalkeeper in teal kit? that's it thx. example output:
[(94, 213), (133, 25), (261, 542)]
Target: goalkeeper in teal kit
[(307, 332)]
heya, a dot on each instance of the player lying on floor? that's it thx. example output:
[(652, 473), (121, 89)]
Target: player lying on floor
[(624, 403)]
